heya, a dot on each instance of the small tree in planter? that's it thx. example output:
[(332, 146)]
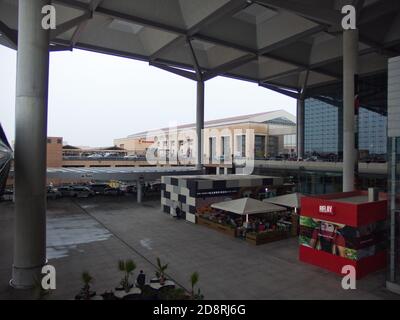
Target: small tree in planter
[(86, 293), (194, 279), (160, 273), (127, 266)]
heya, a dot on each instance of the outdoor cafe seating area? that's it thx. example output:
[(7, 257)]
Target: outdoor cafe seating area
[(252, 220)]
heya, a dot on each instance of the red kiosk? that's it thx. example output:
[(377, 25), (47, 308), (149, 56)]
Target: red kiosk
[(344, 229)]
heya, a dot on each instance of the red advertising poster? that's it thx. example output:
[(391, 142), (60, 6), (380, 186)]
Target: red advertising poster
[(344, 229)]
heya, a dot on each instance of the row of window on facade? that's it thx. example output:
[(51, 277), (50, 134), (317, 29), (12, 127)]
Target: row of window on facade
[(264, 146)]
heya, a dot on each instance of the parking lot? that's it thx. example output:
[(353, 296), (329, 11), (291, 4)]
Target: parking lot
[(94, 233)]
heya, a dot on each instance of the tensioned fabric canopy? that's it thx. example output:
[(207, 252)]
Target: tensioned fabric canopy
[(278, 44), (292, 200), (247, 206)]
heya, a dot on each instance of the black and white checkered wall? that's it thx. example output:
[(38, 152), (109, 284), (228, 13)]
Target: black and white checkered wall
[(183, 191)]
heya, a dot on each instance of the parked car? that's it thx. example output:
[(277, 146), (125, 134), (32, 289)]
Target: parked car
[(130, 188), (82, 192), (76, 191), (113, 191), (99, 188), (53, 193), (95, 156), (66, 191), (132, 157), (111, 155)]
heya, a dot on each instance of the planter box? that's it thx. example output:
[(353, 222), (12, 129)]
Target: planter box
[(216, 226), (266, 237)]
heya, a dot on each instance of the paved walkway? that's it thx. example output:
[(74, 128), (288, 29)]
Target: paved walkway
[(93, 234)]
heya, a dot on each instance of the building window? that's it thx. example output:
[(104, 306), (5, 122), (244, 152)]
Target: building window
[(289, 141), (241, 146), (273, 146), (259, 147), (59, 141), (48, 140), (226, 146), (212, 148)]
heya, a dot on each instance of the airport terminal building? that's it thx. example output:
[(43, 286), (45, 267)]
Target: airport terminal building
[(255, 136)]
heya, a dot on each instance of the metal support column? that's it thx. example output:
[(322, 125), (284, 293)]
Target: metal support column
[(350, 66), (300, 129), (200, 123), (139, 192), (30, 145)]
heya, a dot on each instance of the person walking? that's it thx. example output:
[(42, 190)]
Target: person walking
[(141, 279)]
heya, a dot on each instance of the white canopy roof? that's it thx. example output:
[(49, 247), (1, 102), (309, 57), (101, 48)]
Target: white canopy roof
[(288, 200), (277, 44), (245, 206)]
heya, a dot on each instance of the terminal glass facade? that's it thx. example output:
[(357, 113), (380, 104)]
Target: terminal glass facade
[(323, 119), (373, 132), (321, 127)]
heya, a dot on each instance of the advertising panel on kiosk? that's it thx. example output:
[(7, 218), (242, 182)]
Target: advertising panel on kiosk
[(344, 229)]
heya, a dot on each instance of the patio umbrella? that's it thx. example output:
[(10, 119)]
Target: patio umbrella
[(292, 200), (246, 206)]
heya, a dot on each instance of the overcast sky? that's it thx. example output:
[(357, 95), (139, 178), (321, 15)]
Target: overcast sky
[(95, 98)]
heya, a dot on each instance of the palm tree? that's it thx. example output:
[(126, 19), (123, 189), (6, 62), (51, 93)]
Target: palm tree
[(87, 279), (160, 273), (194, 279), (127, 266)]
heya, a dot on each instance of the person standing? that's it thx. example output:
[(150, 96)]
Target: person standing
[(141, 279)]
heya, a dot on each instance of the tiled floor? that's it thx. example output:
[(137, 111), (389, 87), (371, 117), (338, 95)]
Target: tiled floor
[(93, 234)]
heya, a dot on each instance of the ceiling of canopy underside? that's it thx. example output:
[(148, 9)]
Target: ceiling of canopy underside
[(280, 43)]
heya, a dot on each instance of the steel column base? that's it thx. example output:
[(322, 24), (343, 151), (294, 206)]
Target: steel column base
[(393, 287), (25, 277)]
